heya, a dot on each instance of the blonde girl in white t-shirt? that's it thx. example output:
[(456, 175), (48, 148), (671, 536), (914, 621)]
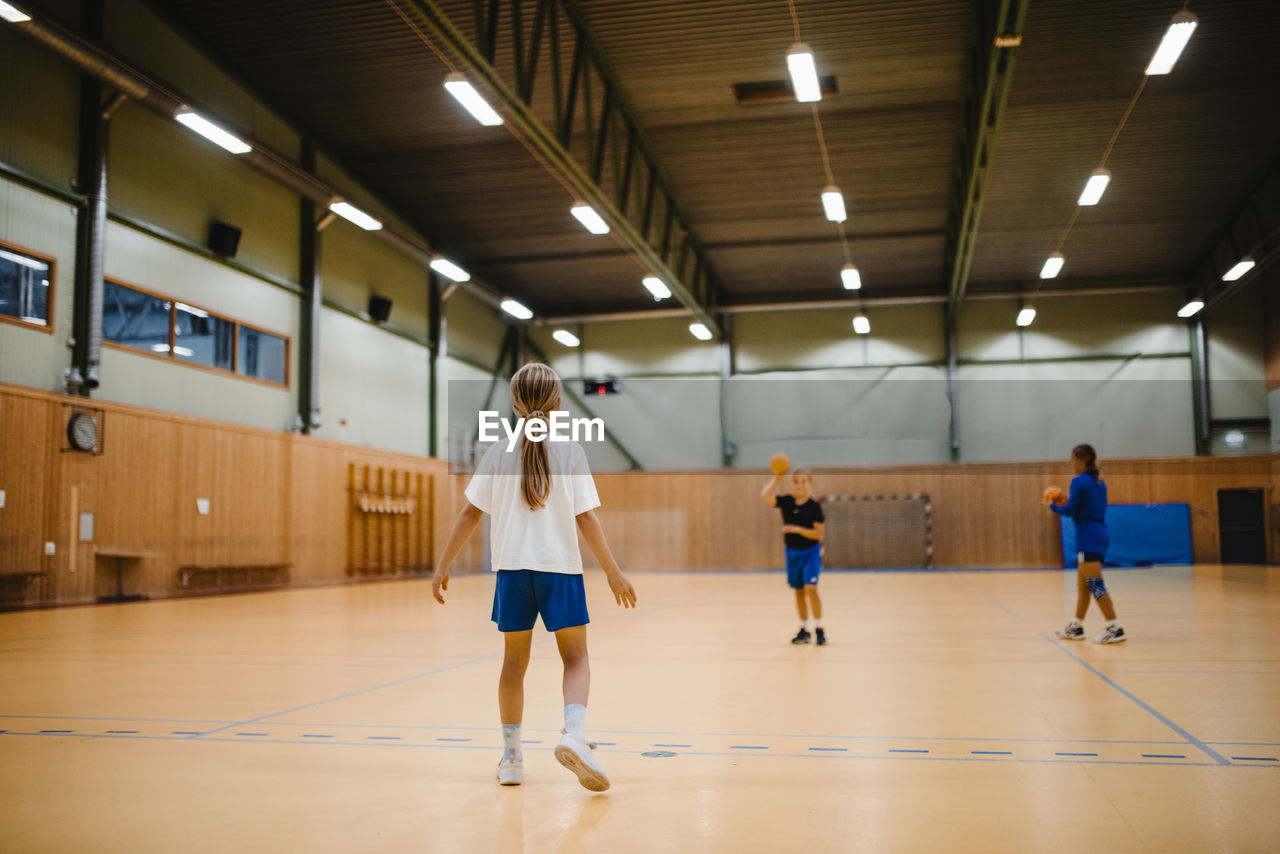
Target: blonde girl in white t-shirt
[(541, 496)]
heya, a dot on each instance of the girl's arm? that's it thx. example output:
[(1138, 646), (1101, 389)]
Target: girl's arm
[(814, 533), (1074, 498), (766, 494), (463, 527), (593, 533)]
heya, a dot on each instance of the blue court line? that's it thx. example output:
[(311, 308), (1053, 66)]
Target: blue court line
[(180, 732), (904, 750), (1246, 743), (251, 733), (668, 745), (354, 693), (993, 600), (309, 735), (115, 731), (882, 756), (1075, 754), (449, 739), (54, 731), (530, 741), (601, 743), (330, 724), (1209, 751), (747, 747), (105, 718), (832, 749), (993, 752), (1256, 758), (918, 758), (1163, 756), (384, 737)]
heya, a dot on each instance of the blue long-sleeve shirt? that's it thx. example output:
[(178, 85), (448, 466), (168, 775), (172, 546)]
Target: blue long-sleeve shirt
[(1087, 505)]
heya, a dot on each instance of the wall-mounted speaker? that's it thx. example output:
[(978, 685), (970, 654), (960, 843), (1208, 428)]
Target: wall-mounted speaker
[(224, 239), (379, 308)]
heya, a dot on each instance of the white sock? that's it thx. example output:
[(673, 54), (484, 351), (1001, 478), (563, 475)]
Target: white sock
[(804, 625), (511, 742), (817, 624), (1074, 621), (1113, 624), (575, 719)]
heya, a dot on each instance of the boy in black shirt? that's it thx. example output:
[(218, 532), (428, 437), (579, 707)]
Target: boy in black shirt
[(802, 521)]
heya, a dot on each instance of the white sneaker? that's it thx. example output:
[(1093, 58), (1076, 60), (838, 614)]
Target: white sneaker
[(1073, 631), (1113, 634), (574, 753), (511, 771)]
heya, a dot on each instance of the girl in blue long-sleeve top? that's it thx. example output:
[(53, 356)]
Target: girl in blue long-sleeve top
[(1087, 505)]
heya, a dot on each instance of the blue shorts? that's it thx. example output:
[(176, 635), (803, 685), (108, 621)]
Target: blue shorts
[(803, 566), (522, 594)]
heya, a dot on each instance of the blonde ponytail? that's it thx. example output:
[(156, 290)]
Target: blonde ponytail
[(535, 393)]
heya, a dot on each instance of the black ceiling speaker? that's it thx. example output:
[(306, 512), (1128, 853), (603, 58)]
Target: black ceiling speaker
[(224, 239), (379, 308)]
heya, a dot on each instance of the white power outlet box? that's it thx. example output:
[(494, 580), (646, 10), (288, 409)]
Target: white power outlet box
[(1, 498), (50, 548)]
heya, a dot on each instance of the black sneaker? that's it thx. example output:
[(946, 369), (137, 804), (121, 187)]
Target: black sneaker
[(802, 636), (822, 637)]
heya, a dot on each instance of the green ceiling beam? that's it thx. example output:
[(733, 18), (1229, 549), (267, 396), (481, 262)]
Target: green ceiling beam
[(679, 259), (995, 34)]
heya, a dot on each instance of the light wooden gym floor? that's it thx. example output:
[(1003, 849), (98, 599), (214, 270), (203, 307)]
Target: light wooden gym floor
[(942, 716)]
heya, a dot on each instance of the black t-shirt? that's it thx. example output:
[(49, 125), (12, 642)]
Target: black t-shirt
[(804, 516)]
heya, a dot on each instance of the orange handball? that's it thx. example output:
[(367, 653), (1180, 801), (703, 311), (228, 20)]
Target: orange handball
[(779, 463), (1053, 495)]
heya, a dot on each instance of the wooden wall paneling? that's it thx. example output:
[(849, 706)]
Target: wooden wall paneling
[(25, 466)]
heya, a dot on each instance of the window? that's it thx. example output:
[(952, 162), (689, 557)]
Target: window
[(26, 288), (135, 319), (203, 338), (262, 355), (159, 326)]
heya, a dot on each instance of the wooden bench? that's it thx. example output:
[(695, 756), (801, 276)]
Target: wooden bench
[(13, 587), (224, 577)]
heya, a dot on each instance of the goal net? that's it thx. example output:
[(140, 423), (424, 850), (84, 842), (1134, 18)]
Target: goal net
[(864, 531)]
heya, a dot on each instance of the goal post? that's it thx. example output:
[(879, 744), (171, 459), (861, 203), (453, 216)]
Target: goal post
[(878, 531)]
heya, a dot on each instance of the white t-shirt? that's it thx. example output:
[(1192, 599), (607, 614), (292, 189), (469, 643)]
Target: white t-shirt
[(545, 539)]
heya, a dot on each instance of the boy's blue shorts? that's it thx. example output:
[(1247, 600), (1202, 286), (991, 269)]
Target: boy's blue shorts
[(522, 594), (803, 565)]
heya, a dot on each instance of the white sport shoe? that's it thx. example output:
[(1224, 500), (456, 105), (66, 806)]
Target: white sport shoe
[(574, 753), (511, 771), (1073, 631), (1113, 634)]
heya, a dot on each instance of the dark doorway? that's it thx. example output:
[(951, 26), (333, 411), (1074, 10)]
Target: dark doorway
[(1242, 533)]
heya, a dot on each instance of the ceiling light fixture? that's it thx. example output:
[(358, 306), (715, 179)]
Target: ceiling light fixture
[(516, 309), (565, 337), (850, 277), (1026, 315), (217, 135), (1192, 308), (833, 203), (804, 73), (461, 89), (1052, 266), (1241, 267), (1094, 187), (13, 14), (657, 287), (449, 270), (353, 214), (590, 220), (861, 323), (700, 331), (1175, 39)]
